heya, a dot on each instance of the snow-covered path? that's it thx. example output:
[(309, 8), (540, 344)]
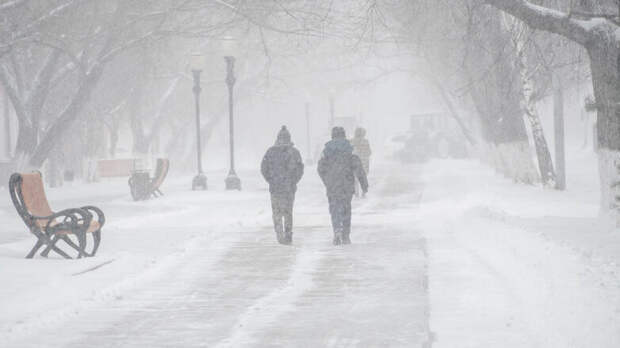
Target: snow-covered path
[(448, 247), (237, 287)]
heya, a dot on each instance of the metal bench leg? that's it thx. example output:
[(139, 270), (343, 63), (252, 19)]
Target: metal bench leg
[(34, 250), (61, 253), (51, 245), (97, 238), (81, 236), (70, 243)]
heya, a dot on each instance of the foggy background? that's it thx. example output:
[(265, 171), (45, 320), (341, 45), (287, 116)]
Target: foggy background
[(491, 219)]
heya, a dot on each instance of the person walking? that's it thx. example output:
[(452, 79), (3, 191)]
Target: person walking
[(361, 148), (338, 169), (282, 168)]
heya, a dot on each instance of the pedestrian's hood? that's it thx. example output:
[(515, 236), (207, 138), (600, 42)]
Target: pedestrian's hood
[(336, 146)]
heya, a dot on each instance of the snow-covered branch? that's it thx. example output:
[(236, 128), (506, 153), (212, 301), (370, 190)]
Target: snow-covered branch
[(543, 18), (11, 4)]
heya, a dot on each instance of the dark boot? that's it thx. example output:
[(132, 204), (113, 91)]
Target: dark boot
[(280, 238), (346, 239), (279, 233), (338, 237), (288, 239)]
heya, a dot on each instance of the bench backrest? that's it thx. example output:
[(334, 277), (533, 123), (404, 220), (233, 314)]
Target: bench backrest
[(28, 195), (115, 167), (163, 164)]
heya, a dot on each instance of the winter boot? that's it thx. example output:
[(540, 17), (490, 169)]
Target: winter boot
[(280, 236), (346, 239), (288, 239), (279, 230), (338, 237)]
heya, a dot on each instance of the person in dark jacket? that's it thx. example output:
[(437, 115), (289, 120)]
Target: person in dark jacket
[(338, 168), (282, 168)]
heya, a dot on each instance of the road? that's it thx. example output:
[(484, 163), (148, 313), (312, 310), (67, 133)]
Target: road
[(245, 290)]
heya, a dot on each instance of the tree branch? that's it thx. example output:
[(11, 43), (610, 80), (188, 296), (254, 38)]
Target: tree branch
[(13, 95), (41, 87), (543, 18)]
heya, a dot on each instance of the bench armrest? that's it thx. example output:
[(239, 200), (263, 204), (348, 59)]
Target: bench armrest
[(97, 211), (72, 219)]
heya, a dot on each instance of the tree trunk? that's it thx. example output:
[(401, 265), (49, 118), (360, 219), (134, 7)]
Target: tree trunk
[(496, 93), (113, 142), (545, 164), (603, 46), (558, 126), (54, 167), (7, 125), (140, 140), (606, 82), (63, 123), (26, 141), (451, 108), (145, 140)]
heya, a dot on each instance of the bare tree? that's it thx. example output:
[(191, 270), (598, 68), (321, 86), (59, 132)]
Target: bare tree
[(597, 33)]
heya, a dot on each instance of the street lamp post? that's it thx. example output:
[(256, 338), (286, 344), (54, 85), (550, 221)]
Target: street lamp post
[(331, 111), (308, 144), (232, 180), (200, 180)]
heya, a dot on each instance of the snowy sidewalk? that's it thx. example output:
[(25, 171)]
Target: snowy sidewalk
[(449, 248), (141, 242), (228, 283)]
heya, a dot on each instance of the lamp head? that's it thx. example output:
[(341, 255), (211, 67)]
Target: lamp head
[(230, 46), (196, 62)]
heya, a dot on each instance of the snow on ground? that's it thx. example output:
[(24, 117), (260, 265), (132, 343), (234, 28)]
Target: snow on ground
[(516, 266), (448, 250), (141, 241), (203, 269)]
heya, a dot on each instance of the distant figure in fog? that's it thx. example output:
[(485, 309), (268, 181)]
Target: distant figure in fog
[(338, 168), (361, 148), (282, 168)]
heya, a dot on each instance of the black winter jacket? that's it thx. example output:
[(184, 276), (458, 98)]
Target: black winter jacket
[(282, 168), (338, 168)]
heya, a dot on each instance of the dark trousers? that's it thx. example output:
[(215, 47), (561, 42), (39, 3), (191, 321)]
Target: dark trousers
[(340, 210), (282, 210)]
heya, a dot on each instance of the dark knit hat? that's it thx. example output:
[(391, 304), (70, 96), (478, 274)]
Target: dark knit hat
[(284, 136), (338, 133)]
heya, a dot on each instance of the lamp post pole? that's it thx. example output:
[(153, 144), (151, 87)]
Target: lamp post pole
[(7, 124), (200, 180), (308, 145), (331, 112), (232, 180)]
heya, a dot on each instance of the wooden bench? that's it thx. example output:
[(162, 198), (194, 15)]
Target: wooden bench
[(28, 196), (121, 167), (144, 187), (161, 171)]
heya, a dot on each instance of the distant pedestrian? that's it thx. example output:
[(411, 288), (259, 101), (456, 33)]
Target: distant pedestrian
[(361, 148), (282, 168), (338, 168)]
